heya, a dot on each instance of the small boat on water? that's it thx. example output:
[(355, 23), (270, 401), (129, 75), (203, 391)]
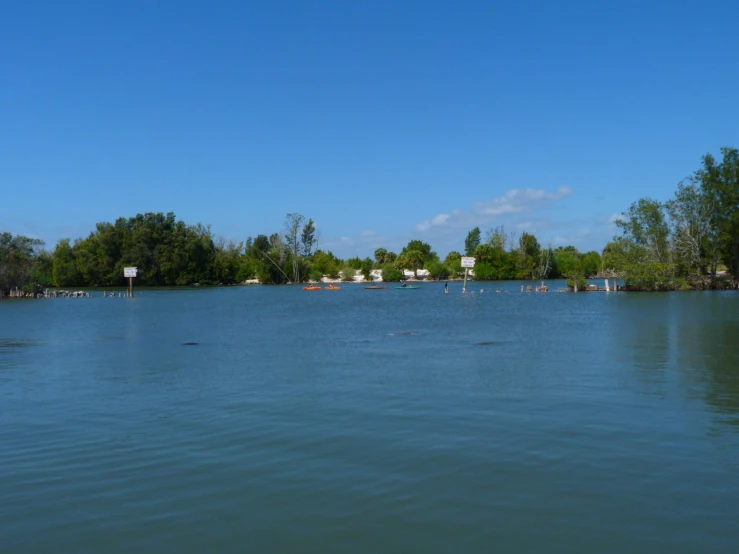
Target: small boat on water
[(332, 287), (374, 287), (408, 287), (311, 287)]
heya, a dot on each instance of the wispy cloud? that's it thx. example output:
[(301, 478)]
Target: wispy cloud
[(517, 201), (616, 217), (513, 202)]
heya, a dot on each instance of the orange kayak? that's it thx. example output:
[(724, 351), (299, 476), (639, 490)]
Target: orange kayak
[(331, 287), (311, 288)]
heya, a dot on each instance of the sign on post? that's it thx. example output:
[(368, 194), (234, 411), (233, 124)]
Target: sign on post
[(130, 272), (467, 263)]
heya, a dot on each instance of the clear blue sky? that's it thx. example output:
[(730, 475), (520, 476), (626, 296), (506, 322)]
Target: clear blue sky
[(383, 121)]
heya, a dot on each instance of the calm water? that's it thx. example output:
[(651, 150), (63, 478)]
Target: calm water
[(370, 421)]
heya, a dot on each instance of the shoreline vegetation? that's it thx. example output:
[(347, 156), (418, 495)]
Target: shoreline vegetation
[(690, 242)]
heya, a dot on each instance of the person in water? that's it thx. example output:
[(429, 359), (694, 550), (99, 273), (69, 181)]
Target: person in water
[(446, 288)]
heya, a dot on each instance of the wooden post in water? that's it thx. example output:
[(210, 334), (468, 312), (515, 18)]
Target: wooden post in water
[(467, 263), (130, 272)]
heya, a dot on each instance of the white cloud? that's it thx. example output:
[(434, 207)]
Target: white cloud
[(438, 221), (367, 233), (515, 201)]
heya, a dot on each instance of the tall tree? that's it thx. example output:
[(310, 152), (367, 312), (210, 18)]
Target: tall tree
[(308, 238), (18, 260), (472, 241), (645, 224), (380, 256), (64, 267), (720, 183), (293, 221), (691, 215)]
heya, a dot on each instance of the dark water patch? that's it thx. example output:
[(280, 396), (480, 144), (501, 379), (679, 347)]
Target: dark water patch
[(10, 344), (190, 344), (491, 343)]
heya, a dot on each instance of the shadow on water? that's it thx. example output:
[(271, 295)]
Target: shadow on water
[(9, 345), (688, 339), (491, 343), (10, 349)]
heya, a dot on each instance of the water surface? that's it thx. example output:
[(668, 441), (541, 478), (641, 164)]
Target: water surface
[(269, 419)]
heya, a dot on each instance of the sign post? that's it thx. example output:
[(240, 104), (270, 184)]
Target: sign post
[(130, 272), (467, 263)]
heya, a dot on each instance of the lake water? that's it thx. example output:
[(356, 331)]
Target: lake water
[(370, 421)]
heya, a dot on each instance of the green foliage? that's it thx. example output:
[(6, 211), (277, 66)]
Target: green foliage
[(354, 263), (452, 256), (484, 253), (591, 263), (411, 259), (20, 259), (472, 241), (308, 238), (423, 248), (366, 267), (484, 271), (576, 277), (348, 273), (326, 263), (528, 257), (391, 273), (456, 267), (719, 187), (64, 266), (438, 270)]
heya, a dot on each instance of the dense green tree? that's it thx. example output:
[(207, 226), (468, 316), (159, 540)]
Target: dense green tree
[(423, 248), (411, 259), (18, 262), (438, 270), (380, 256), (308, 238), (485, 271), (472, 241), (366, 268), (326, 263), (719, 182), (528, 253), (391, 273), (64, 266), (452, 256)]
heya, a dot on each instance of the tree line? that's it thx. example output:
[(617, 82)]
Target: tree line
[(690, 241), (170, 252)]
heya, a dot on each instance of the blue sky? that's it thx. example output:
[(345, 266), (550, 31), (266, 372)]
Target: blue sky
[(383, 121)]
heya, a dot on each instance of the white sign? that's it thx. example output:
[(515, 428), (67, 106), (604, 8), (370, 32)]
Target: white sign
[(129, 272), (468, 261)]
